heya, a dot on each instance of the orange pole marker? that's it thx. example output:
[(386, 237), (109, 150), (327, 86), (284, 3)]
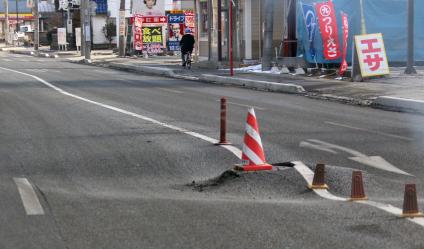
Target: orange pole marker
[(410, 204), (319, 178), (357, 191)]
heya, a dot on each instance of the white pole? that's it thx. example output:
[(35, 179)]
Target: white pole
[(248, 29)]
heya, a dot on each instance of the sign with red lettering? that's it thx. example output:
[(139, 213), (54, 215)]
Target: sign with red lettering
[(138, 32), (343, 65), (155, 19), (371, 55), (328, 26)]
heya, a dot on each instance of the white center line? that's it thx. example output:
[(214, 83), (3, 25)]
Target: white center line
[(29, 197), (370, 131), (242, 105)]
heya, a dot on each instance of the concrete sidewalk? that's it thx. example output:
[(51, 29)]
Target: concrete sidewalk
[(398, 92)]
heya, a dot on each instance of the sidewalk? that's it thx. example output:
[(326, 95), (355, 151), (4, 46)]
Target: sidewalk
[(397, 92)]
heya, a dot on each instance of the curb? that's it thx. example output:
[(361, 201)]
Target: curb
[(260, 85), (33, 53), (144, 69), (398, 104)]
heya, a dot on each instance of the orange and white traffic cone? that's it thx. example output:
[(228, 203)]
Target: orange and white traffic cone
[(253, 156)]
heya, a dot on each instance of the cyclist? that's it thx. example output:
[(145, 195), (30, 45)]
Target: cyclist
[(186, 44)]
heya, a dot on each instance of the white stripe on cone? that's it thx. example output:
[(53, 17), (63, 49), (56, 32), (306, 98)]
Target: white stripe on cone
[(248, 152)]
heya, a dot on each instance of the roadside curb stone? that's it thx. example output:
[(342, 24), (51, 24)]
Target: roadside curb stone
[(399, 104)]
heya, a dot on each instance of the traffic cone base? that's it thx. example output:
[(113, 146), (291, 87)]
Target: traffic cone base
[(358, 199), (419, 214), (253, 167), (312, 186), (223, 143)]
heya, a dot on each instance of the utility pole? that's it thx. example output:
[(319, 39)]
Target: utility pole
[(220, 30), (410, 62), (87, 29), (82, 22), (122, 27), (36, 26), (268, 35), (231, 38)]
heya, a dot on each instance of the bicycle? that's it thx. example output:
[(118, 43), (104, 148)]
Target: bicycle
[(187, 59)]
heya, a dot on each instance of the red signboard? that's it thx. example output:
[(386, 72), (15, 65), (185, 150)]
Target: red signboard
[(154, 19), (328, 26), (138, 33), (343, 66)]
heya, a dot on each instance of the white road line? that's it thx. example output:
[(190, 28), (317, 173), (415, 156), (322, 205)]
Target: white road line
[(242, 105), (29, 197), (308, 176), (182, 130), (168, 90), (370, 131), (299, 166)]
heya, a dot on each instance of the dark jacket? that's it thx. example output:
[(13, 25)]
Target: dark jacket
[(187, 43)]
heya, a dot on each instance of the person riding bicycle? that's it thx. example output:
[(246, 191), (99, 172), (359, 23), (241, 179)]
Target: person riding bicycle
[(186, 44)]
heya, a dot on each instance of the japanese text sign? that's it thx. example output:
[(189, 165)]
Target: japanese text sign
[(154, 19), (152, 35), (328, 26), (138, 33), (345, 22), (176, 18), (372, 55)]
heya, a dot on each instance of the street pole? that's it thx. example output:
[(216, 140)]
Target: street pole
[(363, 27), (6, 16), (231, 38), (219, 30), (82, 22), (36, 26), (268, 35), (410, 62), (17, 16), (87, 30), (122, 27)]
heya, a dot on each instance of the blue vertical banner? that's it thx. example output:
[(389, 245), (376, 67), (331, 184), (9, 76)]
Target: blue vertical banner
[(310, 19)]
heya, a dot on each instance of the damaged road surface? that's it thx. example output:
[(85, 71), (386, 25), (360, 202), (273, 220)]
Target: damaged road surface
[(118, 160)]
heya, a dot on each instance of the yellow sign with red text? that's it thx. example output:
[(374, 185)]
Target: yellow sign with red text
[(372, 55)]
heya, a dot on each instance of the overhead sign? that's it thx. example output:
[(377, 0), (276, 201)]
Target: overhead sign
[(328, 27), (372, 55)]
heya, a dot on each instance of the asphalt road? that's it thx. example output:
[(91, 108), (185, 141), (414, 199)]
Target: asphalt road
[(103, 177)]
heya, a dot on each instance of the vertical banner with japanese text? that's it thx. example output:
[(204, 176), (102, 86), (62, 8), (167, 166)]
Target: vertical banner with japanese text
[(138, 33), (310, 19), (328, 26), (345, 25)]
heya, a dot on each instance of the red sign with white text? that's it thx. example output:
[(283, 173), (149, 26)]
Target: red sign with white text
[(154, 19), (328, 26), (345, 22)]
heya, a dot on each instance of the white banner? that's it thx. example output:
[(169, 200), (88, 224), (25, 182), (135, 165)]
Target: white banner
[(61, 36), (78, 37)]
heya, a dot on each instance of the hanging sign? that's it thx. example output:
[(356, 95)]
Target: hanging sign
[(328, 27), (372, 55)]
